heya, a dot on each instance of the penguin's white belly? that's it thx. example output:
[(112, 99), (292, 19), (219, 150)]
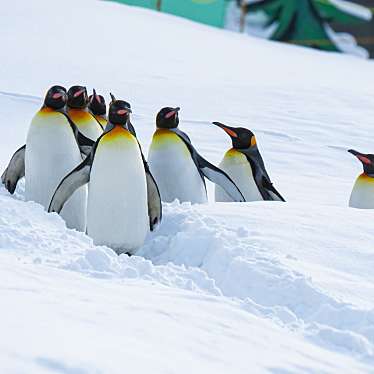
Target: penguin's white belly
[(362, 195), (174, 170), (236, 165), (117, 213), (52, 153)]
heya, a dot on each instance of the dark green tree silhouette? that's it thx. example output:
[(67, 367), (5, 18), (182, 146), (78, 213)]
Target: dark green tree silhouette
[(307, 22)]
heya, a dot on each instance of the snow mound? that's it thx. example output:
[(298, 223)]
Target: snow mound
[(27, 230), (244, 268), (195, 251)]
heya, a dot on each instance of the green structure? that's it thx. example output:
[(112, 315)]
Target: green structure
[(142, 3), (307, 22), (210, 12)]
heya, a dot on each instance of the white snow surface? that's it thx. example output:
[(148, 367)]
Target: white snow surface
[(218, 288)]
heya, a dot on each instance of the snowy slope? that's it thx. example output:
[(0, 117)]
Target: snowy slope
[(219, 287)]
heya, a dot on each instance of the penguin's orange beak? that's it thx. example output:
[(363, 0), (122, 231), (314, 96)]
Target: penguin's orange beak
[(229, 131), (57, 95), (360, 156), (172, 113), (122, 112), (364, 159), (78, 93)]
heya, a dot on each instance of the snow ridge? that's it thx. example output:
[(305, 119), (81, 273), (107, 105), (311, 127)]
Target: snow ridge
[(193, 251), (244, 270)]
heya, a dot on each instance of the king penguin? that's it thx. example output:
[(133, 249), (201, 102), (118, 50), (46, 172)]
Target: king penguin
[(177, 167), (244, 164), (16, 167), (129, 125), (123, 198), (77, 110), (362, 195), (97, 107), (51, 151)]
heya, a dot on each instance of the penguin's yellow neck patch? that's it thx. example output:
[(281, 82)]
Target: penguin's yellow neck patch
[(365, 179), (232, 152), (164, 132), (163, 137), (49, 113), (168, 141), (116, 135), (45, 111), (80, 117), (234, 157)]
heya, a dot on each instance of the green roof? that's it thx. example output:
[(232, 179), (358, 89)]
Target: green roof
[(210, 12)]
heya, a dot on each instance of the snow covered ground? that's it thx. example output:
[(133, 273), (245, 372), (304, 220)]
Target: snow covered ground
[(219, 288)]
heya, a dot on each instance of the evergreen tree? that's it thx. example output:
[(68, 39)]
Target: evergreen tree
[(307, 22)]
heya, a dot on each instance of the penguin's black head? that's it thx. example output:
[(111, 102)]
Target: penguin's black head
[(167, 118), (96, 104), (56, 97), (367, 161), (77, 97), (241, 138), (119, 112)]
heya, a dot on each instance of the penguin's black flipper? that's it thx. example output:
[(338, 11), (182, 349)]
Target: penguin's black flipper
[(83, 141), (85, 144), (270, 188), (75, 179), (210, 171), (261, 177), (220, 178), (15, 170), (153, 195), (154, 202)]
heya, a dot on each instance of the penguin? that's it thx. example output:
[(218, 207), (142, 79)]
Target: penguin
[(51, 151), (177, 167), (16, 167), (130, 127), (362, 195), (123, 198), (77, 110), (97, 107), (244, 164)]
